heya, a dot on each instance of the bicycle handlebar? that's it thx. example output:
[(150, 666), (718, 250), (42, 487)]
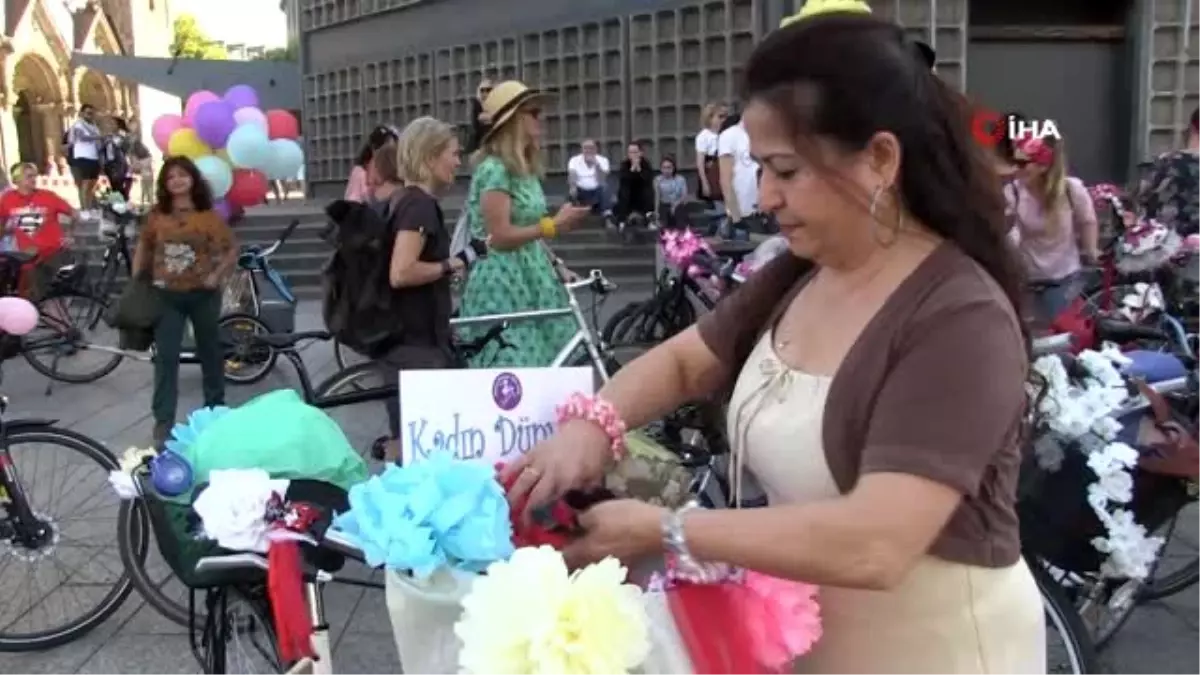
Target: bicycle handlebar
[(333, 540), (717, 266), (595, 280), (283, 236)]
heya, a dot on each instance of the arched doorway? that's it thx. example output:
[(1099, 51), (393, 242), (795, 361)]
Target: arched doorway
[(95, 89), (39, 126)]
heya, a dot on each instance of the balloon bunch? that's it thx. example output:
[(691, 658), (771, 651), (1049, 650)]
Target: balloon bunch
[(236, 146)]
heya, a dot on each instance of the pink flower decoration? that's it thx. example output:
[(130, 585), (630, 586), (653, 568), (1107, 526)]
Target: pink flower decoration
[(1036, 150), (1103, 192), (783, 616), (680, 246)]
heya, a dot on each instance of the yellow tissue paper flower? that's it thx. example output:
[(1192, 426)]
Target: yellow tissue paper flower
[(815, 7), (133, 458), (529, 615)]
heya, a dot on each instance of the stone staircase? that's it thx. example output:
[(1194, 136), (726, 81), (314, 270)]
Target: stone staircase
[(630, 266)]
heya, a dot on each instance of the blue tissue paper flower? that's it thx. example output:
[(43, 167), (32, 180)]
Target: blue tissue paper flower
[(438, 511), (184, 434)]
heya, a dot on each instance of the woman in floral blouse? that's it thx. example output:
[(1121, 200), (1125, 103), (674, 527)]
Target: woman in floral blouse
[(1171, 191)]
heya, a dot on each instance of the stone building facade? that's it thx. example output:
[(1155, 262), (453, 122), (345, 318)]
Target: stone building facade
[(41, 91)]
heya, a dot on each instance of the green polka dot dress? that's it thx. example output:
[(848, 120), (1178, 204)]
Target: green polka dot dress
[(514, 281)]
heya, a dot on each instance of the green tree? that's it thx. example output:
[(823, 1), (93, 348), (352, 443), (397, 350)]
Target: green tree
[(288, 53), (191, 43)]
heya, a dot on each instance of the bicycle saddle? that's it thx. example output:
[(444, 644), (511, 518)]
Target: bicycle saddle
[(286, 340)]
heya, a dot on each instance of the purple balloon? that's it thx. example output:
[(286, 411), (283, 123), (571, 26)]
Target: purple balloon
[(251, 116), (194, 102), (241, 96), (223, 209), (214, 122)]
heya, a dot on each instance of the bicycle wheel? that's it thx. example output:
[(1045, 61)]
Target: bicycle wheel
[(59, 347), (74, 543), (242, 639), (246, 360), (1069, 647), (148, 573), (362, 423), (1178, 567), (108, 281)]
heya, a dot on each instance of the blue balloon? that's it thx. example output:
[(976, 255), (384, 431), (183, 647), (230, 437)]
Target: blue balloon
[(286, 159), (248, 147), (217, 173)]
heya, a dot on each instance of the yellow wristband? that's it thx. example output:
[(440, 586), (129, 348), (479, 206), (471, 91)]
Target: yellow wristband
[(548, 227)]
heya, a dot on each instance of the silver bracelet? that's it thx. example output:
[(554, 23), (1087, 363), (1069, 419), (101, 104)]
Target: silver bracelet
[(673, 537), (681, 565)]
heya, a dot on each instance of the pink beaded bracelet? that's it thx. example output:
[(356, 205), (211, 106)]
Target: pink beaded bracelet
[(599, 412)]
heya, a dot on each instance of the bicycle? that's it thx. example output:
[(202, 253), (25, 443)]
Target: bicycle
[(585, 337), (32, 533), (341, 389), (64, 314), (243, 298), (1088, 608)]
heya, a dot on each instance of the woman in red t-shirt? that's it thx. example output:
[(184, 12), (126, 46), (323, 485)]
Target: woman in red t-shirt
[(31, 223)]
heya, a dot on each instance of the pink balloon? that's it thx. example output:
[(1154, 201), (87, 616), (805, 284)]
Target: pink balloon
[(18, 316), (162, 129), (251, 116), (196, 100)]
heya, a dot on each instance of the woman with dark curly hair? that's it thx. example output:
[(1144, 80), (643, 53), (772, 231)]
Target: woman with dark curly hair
[(188, 251)]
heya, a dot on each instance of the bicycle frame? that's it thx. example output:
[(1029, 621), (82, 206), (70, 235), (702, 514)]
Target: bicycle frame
[(585, 336)]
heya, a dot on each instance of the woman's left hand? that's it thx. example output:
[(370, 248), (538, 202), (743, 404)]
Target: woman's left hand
[(626, 529)]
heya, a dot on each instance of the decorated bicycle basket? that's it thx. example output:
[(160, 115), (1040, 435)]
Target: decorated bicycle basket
[(309, 447), (1104, 473)]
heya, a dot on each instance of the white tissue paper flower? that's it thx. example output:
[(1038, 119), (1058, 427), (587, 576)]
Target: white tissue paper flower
[(1082, 411), (233, 508), (122, 483)]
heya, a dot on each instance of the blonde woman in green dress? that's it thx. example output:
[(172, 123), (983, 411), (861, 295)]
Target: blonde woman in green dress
[(506, 205)]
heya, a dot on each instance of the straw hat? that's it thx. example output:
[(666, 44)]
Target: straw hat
[(504, 101)]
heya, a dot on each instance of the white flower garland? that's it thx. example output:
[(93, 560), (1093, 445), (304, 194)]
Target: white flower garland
[(1083, 411)]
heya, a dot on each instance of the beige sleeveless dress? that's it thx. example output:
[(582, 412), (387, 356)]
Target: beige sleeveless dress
[(945, 618)]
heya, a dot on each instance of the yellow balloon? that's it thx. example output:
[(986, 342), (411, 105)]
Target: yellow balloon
[(185, 142)]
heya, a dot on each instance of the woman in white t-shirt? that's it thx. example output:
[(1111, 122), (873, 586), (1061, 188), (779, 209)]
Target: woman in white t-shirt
[(739, 173), (709, 188)]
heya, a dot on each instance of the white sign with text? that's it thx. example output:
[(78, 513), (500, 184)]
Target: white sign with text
[(490, 415)]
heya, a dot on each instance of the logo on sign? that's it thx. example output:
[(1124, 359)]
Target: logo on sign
[(990, 128), (506, 391)]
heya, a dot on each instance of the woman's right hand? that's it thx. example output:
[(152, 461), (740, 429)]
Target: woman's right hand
[(569, 216), (575, 457)]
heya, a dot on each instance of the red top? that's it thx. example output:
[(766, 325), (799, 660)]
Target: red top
[(33, 219)]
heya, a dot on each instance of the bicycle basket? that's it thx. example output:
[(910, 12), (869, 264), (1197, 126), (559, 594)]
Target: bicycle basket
[(1058, 524), (236, 297), (178, 532)]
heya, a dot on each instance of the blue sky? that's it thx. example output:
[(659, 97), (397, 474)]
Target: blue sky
[(253, 22)]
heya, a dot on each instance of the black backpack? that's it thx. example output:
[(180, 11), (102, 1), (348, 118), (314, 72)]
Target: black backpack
[(359, 305)]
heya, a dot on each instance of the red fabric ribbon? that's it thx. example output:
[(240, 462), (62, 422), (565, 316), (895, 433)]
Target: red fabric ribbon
[(285, 581), (716, 641), (553, 533)]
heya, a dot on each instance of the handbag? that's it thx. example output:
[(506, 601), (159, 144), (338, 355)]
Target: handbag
[(139, 307)]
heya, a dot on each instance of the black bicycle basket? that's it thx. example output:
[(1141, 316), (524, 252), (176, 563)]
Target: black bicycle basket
[(179, 534), (1057, 522)]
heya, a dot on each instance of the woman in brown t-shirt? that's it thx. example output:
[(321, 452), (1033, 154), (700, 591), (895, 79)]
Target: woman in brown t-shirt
[(878, 397), (189, 251)]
